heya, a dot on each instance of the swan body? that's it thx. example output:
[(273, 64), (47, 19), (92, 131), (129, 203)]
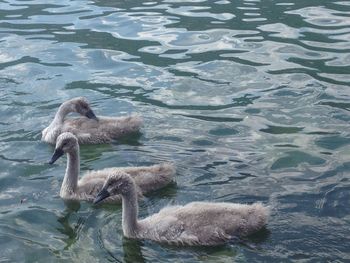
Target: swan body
[(147, 178), (89, 129), (196, 223)]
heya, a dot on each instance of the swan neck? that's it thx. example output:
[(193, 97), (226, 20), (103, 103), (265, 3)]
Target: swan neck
[(130, 214), (62, 112), (70, 181)]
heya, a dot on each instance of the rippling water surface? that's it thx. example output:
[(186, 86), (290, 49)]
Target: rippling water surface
[(250, 100)]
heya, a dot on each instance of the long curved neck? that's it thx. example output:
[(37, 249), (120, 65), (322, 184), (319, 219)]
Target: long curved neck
[(130, 213), (70, 181), (62, 112)]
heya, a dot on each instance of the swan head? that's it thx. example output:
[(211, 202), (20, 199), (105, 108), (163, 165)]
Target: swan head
[(116, 183), (66, 142), (81, 106)]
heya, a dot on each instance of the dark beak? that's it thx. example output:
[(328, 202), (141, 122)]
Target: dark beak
[(91, 115), (103, 194), (57, 154)]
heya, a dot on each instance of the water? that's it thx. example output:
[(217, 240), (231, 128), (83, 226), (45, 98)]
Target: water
[(250, 99)]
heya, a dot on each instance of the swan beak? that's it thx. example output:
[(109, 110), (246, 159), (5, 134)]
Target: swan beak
[(103, 194), (91, 115), (57, 154)]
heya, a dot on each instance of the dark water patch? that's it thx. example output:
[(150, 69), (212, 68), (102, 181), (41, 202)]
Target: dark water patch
[(287, 93), (236, 161), (321, 63), (286, 146), (336, 104), (5, 81), (197, 76), (253, 111), (321, 133), (35, 171), (248, 199), (326, 153), (336, 202), (332, 142), (223, 131), (336, 172), (16, 160), (19, 135), (294, 159), (342, 117), (241, 166), (169, 138), (214, 119), (39, 178), (243, 61), (301, 202), (28, 59), (281, 130), (205, 177), (196, 150), (203, 142), (213, 165), (224, 181)]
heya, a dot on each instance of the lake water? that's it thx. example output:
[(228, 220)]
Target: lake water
[(250, 100)]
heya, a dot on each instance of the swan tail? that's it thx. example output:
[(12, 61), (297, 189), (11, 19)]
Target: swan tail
[(157, 176), (166, 172), (132, 123), (258, 217)]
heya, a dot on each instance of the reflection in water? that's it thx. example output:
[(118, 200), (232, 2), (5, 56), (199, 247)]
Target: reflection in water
[(131, 140), (67, 228), (132, 251), (255, 240)]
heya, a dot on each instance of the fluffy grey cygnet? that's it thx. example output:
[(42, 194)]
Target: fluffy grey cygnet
[(89, 129), (196, 223), (147, 178)]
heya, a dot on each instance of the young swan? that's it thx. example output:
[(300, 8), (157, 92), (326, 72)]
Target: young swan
[(197, 223), (147, 178), (88, 129)]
